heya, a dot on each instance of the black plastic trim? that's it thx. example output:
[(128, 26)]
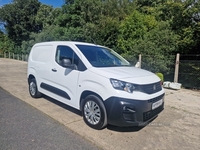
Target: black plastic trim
[(81, 66), (55, 90), (129, 112)]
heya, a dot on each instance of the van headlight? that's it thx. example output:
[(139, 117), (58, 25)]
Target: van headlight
[(124, 86)]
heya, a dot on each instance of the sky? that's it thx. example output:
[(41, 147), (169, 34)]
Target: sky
[(54, 3)]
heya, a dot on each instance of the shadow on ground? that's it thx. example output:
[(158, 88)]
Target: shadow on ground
[(62, 105)]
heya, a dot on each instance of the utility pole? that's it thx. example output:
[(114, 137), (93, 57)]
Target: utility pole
[(176, 68)]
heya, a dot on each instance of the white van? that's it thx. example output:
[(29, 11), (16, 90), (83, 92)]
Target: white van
[(95, 80)]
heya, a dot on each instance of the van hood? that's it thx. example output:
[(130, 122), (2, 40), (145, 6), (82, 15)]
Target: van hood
[(121, 72), (127, 74)]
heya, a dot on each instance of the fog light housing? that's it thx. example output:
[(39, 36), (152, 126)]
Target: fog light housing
[(129, 113)]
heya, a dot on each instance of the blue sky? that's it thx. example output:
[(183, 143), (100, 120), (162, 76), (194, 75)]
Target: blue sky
[(54, 3)]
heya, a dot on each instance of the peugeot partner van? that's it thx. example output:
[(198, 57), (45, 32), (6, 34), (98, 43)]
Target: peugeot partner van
[(95, 80)]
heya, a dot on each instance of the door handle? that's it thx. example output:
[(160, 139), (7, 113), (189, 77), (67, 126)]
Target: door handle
[(54, 70)]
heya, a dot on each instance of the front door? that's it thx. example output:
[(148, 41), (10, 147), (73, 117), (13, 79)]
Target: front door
[(64, 81)]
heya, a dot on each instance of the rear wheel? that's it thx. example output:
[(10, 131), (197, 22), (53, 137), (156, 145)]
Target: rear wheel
[(33, 90), (94, 112)]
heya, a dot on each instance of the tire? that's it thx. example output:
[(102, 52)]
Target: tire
[(33, 90), (94, 112)]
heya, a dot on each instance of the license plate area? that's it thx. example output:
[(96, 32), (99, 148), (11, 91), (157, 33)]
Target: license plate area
[(157, 104)]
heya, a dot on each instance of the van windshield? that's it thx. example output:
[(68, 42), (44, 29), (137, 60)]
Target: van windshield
[(102, 57)]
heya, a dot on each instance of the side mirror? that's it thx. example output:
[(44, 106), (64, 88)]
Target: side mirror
[(67, 63)]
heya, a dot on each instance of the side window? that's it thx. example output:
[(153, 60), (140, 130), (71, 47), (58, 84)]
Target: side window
[(66, 52)]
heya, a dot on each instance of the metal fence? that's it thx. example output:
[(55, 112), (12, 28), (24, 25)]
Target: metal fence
[(22, 57), (189, 71), (156, 63), (184, 70)]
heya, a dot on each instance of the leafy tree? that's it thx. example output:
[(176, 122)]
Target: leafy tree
[(184, 20), (117, 8), (119, 24), (107, 31), (133, 28), (99, 20), (19, 18), (53, 17), (52, 33), (142, 34), (6, 45), (78, 13), (157, 47), (44, 15), (1, 39)]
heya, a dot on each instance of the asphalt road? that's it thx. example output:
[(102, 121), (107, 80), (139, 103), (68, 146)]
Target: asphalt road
[(22, 127)]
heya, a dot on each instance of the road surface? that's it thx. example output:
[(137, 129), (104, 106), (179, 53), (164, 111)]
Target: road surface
[(22, 127)]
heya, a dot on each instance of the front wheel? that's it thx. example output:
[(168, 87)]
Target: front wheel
[(33, 90), (94, 112)]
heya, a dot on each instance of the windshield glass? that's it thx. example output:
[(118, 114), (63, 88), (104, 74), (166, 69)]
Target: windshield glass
[(102, 57)]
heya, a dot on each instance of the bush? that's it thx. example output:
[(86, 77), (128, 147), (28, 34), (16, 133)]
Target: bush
[(161, 76)]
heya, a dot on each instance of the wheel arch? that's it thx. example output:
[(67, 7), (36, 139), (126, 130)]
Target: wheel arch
[(30, 77), (85, 94), (31, 73)]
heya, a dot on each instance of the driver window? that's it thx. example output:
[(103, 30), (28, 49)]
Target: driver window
[(66, 52)]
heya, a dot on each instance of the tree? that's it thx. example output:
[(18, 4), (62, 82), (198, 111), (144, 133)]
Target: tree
[(19, 18), (52, 33), (142, 34), (6, 45), (99, 20), (158, 46), (133, 28), (44, 15), (184, 19), (106, 32)]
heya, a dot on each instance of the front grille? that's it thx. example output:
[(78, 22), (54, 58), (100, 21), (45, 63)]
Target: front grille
[(153, 100), (150, 88), (152, 113)]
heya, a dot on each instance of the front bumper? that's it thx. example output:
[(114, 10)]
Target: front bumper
[(129, 112)]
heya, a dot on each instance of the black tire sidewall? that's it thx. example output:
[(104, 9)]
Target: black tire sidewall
[(37, 93), (98, 101)]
